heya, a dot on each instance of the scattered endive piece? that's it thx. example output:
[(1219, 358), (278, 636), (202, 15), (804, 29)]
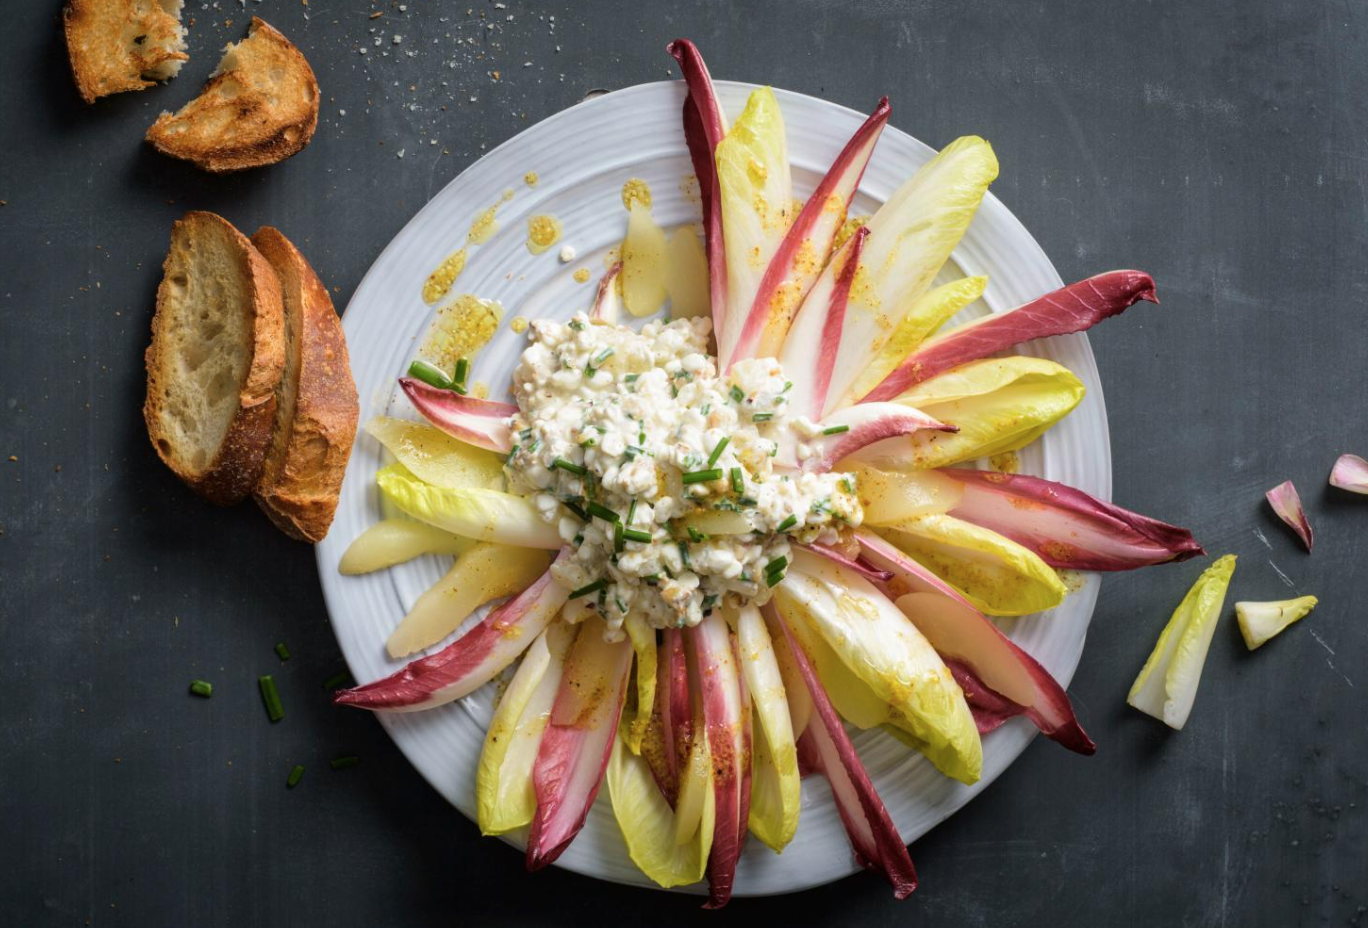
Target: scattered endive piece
[(1350, 473), (1167, 684), (1261, 621), (1287, 504)]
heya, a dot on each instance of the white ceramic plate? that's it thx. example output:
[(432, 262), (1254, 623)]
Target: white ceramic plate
[(583, 156)]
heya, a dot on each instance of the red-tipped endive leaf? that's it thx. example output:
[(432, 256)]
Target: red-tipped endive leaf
[(1073, 308), (470, 661), (815, 337), (851, 429), (674, 714), (1287, 504), (978, 649), (747, 720), (704, 126), (826, 748), (578, 740), (797, 264), (872, 574), (607, 304), (482, 423), (1067, 527), (717, 680), (1350, 473)]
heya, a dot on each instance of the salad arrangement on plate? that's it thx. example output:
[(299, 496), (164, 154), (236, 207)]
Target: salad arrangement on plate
[(729, 534)]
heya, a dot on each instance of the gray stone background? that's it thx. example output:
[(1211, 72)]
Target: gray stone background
[(1221, 146)]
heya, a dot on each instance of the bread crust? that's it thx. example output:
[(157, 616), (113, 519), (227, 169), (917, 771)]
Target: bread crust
[(302, 478), (236, 467), (261, 133), (94, 33)]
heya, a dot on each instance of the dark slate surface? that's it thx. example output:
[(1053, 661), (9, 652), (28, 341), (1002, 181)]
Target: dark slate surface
[(1221, 146)]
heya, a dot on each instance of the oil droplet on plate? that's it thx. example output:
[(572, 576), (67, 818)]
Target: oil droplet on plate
[(508, 194), (531, 178), (483, 227), (542, 232), (636, 190), (518, 324), (582, 275), (459, 330), (441, 279)]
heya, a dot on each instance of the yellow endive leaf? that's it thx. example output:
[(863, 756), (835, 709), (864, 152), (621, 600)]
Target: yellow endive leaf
[(997, 575)]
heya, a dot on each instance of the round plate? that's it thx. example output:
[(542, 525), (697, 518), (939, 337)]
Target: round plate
[(583, 156)]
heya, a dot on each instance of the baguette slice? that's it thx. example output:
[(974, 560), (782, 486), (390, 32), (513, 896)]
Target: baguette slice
[(316, 405), (216, 359), (259, 107), (118, 45)]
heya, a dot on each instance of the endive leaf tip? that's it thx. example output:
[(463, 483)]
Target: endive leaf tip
[(1350, 473), (1287, 505), (1260, 621)]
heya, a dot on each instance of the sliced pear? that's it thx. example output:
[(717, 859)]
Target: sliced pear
[(484, 573), (644, 256), (686, 275), (394, 541)]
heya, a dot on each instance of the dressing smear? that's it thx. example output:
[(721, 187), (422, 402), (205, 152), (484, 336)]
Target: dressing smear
[(543, 231), (459, 330)]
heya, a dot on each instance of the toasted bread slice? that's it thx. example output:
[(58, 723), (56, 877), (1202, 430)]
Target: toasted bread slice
[(259, 107), (118, 45), (316, 405), (216, 359)]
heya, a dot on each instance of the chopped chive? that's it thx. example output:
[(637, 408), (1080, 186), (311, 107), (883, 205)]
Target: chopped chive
[(701, 476), (788, 523), (630, 378), (619, 538), (295, 776), (774, 579), (718, 449), (684, 554), (709, 601), (579, 539), (695, 535), (674, 392), (512, 453), (583, 516), (631, 512), (600, 584), (747, 501), (271, 697), (603, 512), (762, 417), (602, 356), (202, 688), (745, 577), (282, 652), (462, 371), (788, 385), (579, 470), (636, 534), (738, 482), (779, 563), (338, 679), (576, 325), (588, 442), (836, 430), (621, 608), (430, 374), (342, 763), (736, 393)]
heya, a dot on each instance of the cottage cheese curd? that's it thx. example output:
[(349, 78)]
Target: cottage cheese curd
[(659, 474)]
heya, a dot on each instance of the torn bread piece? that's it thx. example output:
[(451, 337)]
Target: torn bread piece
[(259, 107), (216, 359), (119, 45), (316, 404)]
